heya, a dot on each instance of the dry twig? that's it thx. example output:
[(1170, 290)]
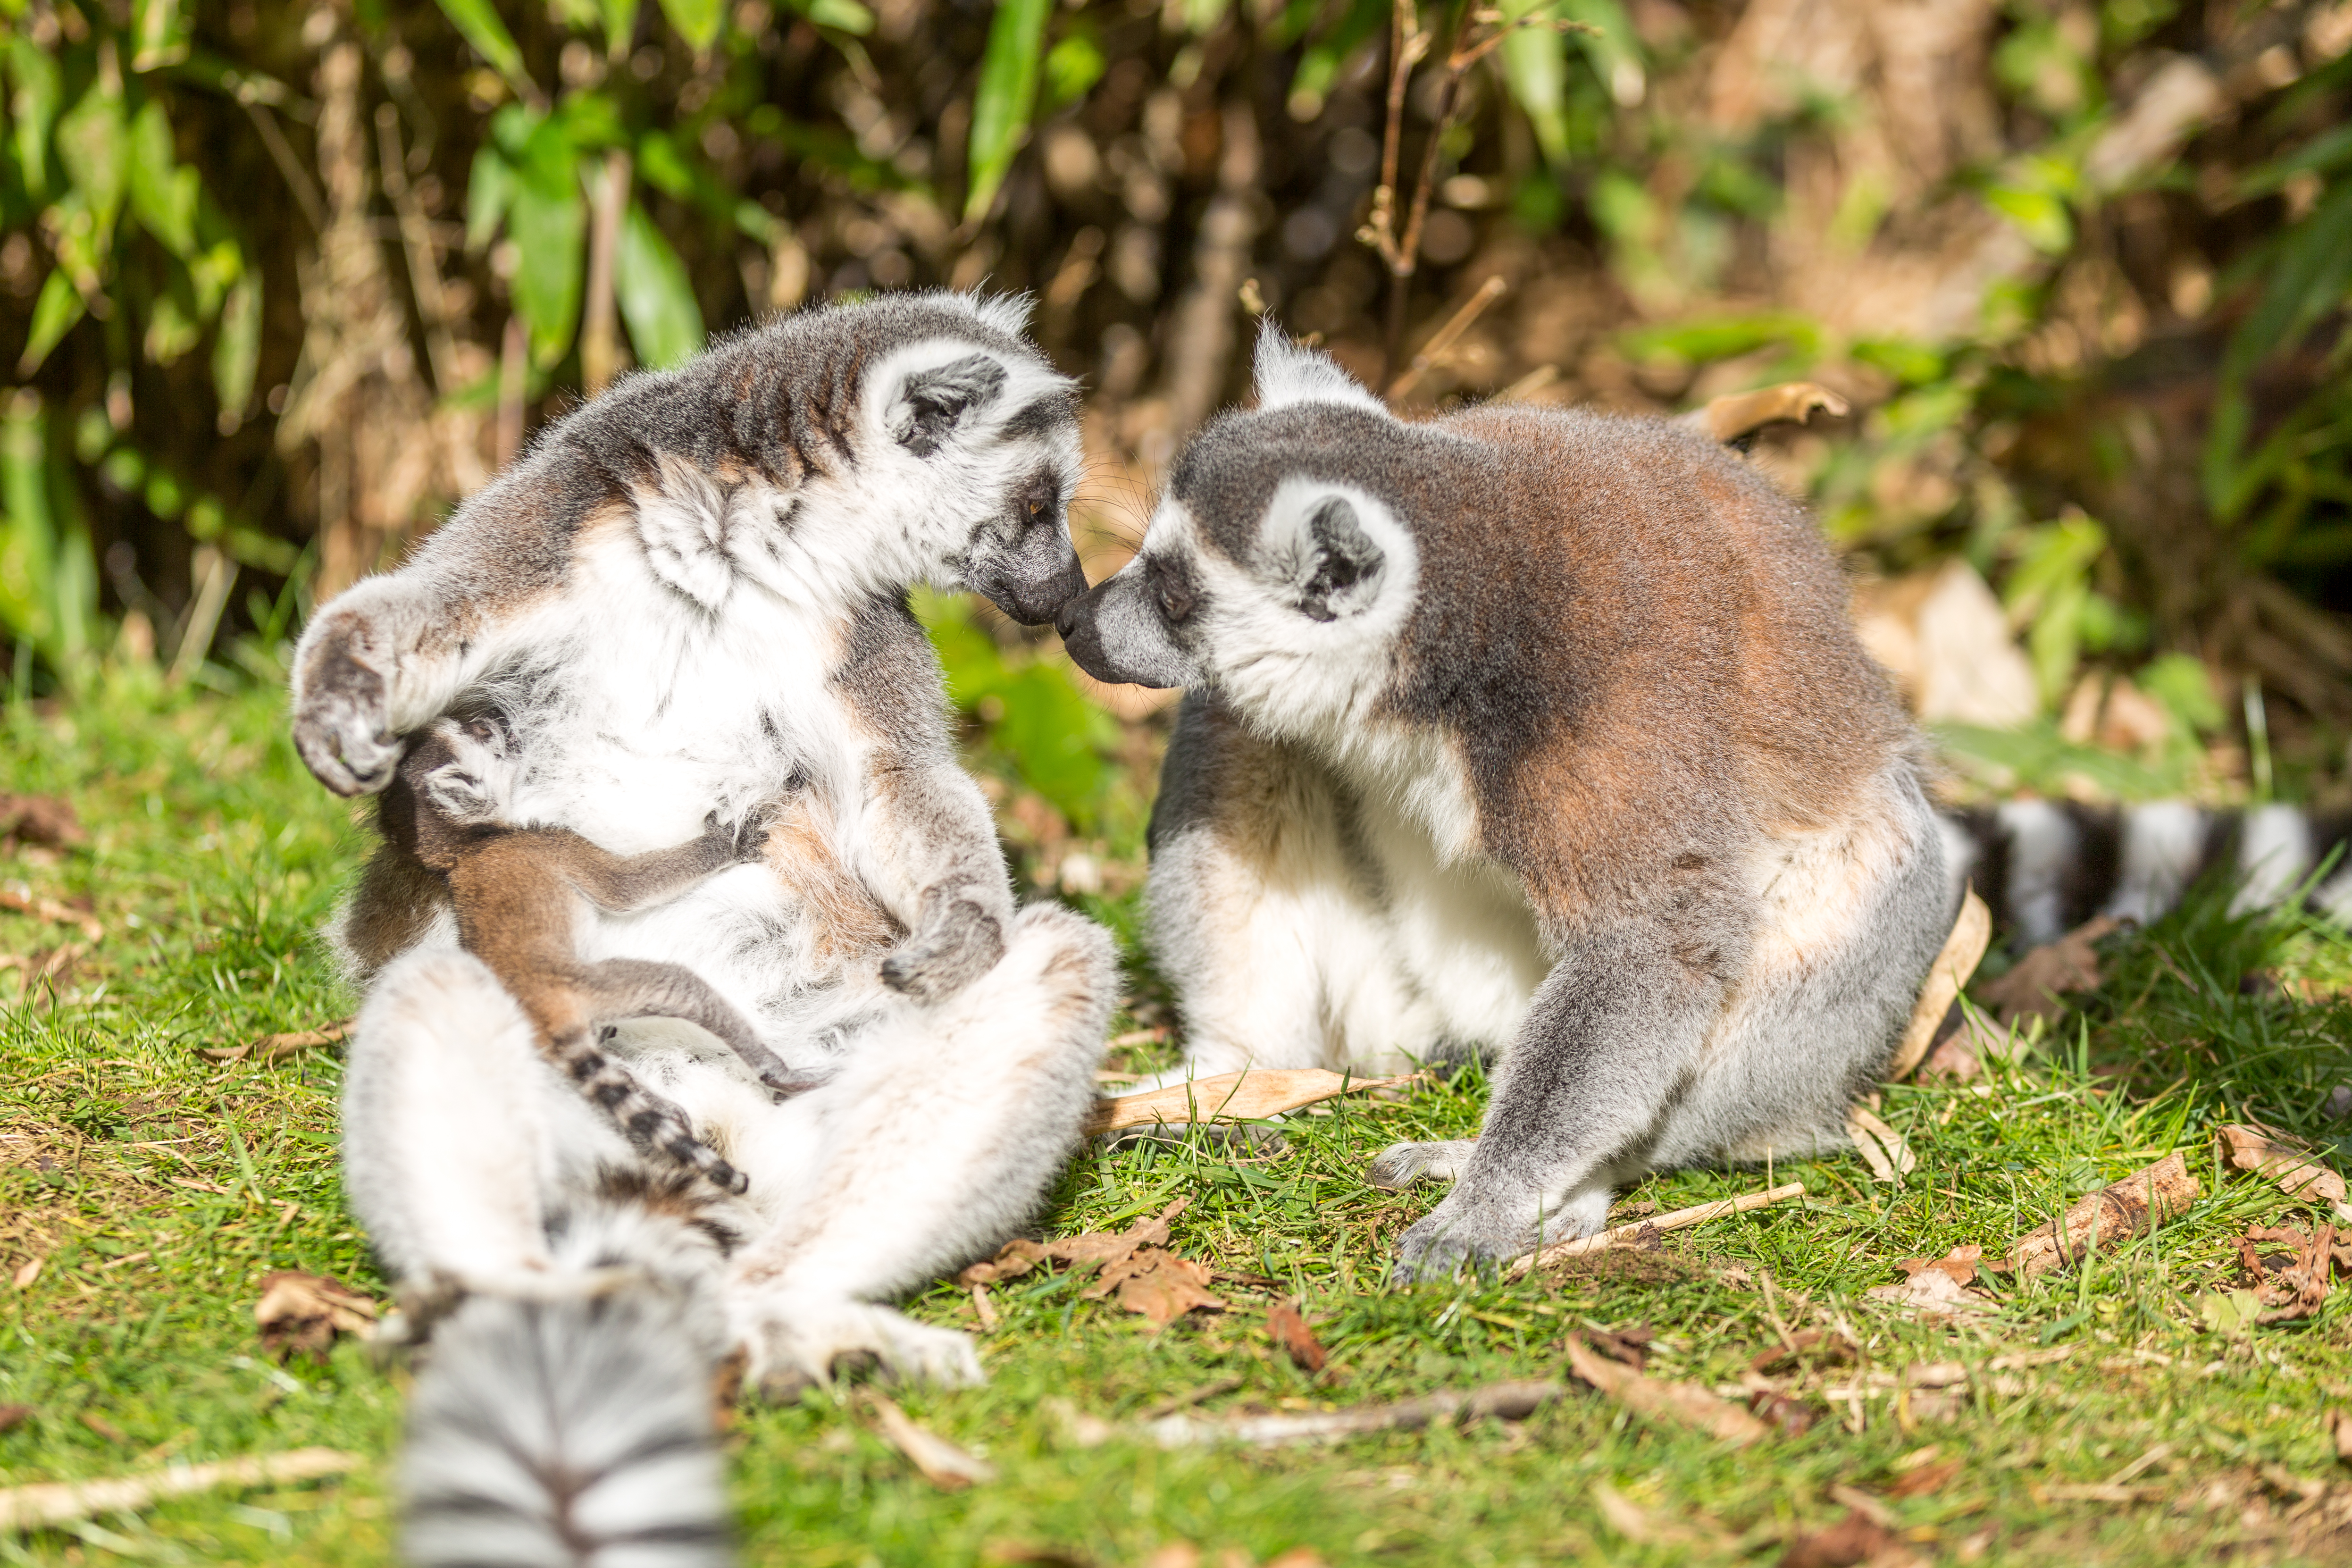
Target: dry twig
[(1641, 1230)]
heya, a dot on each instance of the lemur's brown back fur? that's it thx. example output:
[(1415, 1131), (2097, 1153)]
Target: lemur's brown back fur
[(512, 890)]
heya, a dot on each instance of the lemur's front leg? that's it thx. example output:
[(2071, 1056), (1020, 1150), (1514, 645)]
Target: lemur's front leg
[(1613, 1033), (931, 857), (386, 657)]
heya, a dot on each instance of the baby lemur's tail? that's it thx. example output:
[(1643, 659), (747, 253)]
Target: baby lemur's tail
[(569, 1425)]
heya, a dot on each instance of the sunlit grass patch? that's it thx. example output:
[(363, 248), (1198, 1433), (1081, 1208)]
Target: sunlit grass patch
[(154, 1188)]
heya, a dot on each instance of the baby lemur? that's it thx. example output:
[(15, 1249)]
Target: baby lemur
[(512, 890)]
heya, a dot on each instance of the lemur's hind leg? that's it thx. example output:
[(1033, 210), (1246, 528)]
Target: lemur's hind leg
[(653, 1123), (621, 988)]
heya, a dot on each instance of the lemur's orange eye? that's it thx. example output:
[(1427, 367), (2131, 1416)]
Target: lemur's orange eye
[(1036, 508)]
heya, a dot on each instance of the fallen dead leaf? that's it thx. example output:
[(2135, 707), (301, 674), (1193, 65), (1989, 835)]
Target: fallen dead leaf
[(2034, 986), (302, 1313), (1882, 1148), (2268, 1154), (1925, 1479), (1649, 1527), (1738, 414), (13, 1415), (103, 1427), (1937, 1284), (27, 1273), (2141, 1201), (278, 1048), (23, 901), (1288, 1327), (1036, 1554), (944, 1464), (1855, 1540), (1658, 1399), (41, 819), (2339, 1431), (1962, 952), (1082, 1253), (59, 1502), (1789, 1415), (2291, 1283), (1249, 1096), (1158, 1284)]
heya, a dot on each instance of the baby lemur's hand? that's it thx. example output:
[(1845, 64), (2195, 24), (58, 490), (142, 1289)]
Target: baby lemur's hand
[(957, 941), (751, 833)]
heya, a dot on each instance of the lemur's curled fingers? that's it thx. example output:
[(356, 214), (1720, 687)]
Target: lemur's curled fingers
[(751, 833), (961, 943), (342, 721), (787, 1083)]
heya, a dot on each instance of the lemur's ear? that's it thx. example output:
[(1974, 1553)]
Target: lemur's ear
[(928, 403), (1289, 373), (1340, 567)]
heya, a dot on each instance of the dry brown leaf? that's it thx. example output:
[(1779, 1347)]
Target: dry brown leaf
[(1963, 949), (1790, 1417), (41, 819), (1882, 1148), (1158, 1284), (1685, 1403), (1858, 1541), (278, 1048), (1036, 1554), (1921, 1479), (2033, 986), (944, 1464), (1249, 1096), (2339, 1432), (23, 901), (303, 1313), (1729, 417), (2258, 1150), (1288, 1327), (12, 1415), (2130, 1207), (1937, 1285), (1082, 1253), (1647, 1527), (2290, 1283), (59, 1502)]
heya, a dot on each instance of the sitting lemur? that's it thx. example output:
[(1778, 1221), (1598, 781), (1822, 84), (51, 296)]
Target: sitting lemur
[(690, 596)]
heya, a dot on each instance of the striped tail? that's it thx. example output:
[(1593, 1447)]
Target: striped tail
[(2046, 867), (568, 1429)]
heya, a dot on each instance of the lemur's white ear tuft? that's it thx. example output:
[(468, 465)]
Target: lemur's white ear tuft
[(1008, 313), (1290, 373)]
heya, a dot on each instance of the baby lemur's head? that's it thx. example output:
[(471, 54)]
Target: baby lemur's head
[(1283, 561), (455, 778), (849, 451)]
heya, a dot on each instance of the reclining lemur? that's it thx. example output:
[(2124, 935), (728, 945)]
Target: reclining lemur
[(689, 597), (512, 890), (1534, 732)]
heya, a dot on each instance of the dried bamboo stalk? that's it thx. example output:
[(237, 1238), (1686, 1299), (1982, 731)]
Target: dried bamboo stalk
[(1698, 1214)]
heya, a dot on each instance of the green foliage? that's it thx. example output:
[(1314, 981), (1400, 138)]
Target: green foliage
[(1006, 97), (1037, 725), (49, 577)]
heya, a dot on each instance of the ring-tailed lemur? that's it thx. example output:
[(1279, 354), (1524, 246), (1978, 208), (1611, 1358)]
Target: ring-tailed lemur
[(689, 597), (512, 890), (1533, 732)]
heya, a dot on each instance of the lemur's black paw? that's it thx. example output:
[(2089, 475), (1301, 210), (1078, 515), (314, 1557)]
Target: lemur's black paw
[(946, 955), (343, 711), (751, 833)]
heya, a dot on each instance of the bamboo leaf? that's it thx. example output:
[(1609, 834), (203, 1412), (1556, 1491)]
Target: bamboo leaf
[(656, 295), (1534, 67), (35, 92), (489, 191), (477, 23), (696, 21), (164, 191), (54, 315), (549, 228), (236, 348), (620, 25), (93, 144), (159, 35), (1006, 97)]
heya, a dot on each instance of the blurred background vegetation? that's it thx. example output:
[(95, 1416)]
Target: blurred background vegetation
[(282, 282)]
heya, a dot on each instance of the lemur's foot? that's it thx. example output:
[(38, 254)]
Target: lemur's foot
[(1401, 1165), (959, 941)]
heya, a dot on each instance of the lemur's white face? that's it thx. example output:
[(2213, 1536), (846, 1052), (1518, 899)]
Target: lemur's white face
[(954, 465), (1266, 574)]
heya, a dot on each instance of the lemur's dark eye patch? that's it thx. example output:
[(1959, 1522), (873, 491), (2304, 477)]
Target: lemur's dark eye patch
[(1040, 495)]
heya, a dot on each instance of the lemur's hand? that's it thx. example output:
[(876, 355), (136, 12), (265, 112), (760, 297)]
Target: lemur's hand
[(957, 941), (751, 833), (343, 713)]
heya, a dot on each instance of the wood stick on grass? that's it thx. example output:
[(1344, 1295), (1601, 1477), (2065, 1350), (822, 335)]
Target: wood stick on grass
[(59, 1502), (1501, 1401), (1698, 1214)]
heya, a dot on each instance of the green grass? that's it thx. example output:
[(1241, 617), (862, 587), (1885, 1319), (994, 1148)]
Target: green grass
[(157, 1187)]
